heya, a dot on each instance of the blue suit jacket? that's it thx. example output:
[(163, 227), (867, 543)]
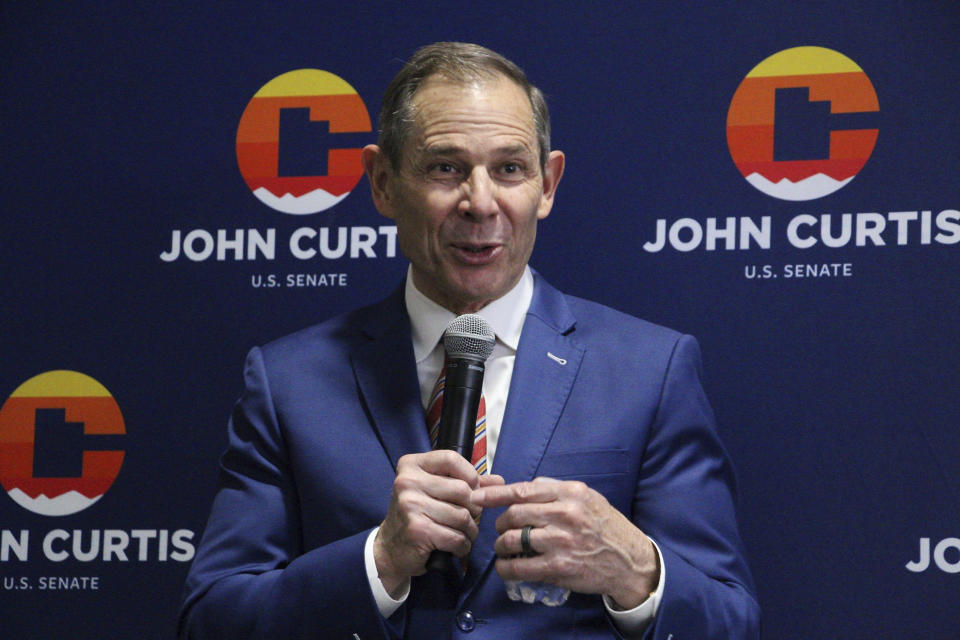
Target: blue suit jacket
[(327, 412)]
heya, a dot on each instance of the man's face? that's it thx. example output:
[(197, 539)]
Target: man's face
[(469, 191)]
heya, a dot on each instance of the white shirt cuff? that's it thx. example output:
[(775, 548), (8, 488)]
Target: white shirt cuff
[(385, 603), (631, 623)]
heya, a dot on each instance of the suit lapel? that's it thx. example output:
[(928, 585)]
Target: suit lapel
[(387, 378), (539, 390)]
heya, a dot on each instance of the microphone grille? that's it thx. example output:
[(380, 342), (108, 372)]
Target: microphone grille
[(469, 336)]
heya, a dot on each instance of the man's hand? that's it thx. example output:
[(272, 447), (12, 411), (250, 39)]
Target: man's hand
[(584, 544), (430, 509)]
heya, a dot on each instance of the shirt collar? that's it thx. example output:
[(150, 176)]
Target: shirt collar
[(428, 320)]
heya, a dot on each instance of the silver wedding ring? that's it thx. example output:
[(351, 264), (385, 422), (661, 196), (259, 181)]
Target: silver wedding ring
[(525, 542)]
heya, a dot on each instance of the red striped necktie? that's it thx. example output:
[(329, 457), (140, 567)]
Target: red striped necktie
[(435, 410)]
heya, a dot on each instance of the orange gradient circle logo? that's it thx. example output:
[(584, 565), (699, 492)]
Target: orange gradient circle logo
[(297, 143), (60, 433), (803, 123)]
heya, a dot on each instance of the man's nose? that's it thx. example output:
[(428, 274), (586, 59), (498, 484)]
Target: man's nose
[(480, 194)]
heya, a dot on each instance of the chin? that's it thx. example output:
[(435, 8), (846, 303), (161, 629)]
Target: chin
[(481, 288)]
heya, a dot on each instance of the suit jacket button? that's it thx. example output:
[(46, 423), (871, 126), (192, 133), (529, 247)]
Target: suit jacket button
[(466, 621)]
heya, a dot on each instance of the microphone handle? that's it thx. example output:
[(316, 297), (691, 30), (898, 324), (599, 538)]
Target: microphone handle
[(458, 424)]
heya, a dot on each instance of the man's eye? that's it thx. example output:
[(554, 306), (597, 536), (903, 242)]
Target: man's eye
[(444, 167), (512, 169)]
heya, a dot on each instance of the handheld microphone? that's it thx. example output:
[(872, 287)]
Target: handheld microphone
[(468, 342)]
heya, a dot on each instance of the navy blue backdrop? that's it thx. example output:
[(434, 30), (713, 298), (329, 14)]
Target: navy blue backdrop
[(836, 392)]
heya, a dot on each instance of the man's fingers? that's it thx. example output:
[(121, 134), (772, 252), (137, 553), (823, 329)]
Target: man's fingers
[(490, 480), (442, 475), (430, 509), (535, 569), (540, 540), (441, 462), (439, 488), (454, 518), (444, 501), (540, 490), (416, 524), (423, 534), (534, 514), (450, 539)]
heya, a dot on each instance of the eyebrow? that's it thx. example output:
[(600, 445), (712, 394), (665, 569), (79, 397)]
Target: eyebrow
[(514, 150), (453, 150), (445, 150)]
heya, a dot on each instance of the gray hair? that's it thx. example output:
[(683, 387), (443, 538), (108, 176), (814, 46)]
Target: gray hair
[(460, 62)]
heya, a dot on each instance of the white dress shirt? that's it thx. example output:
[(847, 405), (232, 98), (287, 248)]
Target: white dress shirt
[(428, 321), (506, 315)]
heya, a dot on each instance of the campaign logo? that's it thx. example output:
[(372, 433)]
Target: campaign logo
[(803, 123), (298, 142), (60, 436)]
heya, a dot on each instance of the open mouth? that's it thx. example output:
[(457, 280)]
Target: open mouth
[(476, 253)]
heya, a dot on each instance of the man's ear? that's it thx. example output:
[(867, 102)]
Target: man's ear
[(379, 171), (552, 173)]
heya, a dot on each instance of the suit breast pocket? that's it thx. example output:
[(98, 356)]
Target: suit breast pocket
[(609, 471), (579, 465)]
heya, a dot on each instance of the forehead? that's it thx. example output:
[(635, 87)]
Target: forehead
[(472, 112)]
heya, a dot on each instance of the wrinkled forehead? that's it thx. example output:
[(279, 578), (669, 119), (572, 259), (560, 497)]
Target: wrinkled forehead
[(465, 102)]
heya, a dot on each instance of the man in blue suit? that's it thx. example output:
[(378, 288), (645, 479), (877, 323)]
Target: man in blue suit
[(606, 456)]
